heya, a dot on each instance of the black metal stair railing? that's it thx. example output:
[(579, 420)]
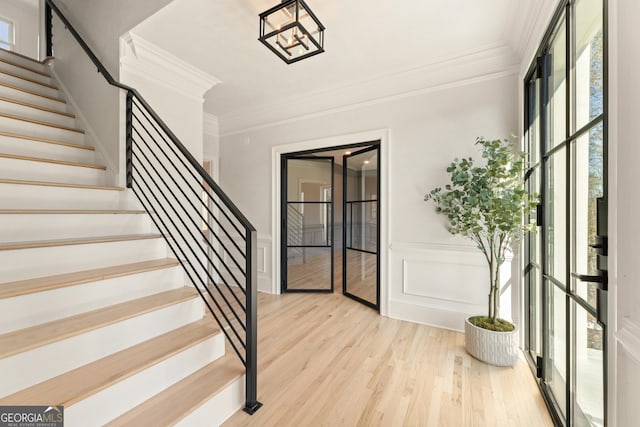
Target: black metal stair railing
[(213, 241)]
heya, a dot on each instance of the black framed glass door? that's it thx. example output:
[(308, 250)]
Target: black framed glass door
[(361, 231), (566, 265), (307, 224)]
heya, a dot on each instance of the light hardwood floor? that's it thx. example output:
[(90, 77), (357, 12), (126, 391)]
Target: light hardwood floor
[(325, 360)]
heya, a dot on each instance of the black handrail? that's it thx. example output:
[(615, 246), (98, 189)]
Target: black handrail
[(164, 205)]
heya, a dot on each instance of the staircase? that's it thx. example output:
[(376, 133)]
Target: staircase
[(95, 313)]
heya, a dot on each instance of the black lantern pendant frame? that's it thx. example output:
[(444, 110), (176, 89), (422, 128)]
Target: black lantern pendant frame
[(284, 51)]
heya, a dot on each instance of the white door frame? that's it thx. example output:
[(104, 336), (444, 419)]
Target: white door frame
[(381, 135)]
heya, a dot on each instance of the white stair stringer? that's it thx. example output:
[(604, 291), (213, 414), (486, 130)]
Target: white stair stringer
[(39, 364), (40, 129), (219, 407), (32, 97), (15, 167), (35, 112), (30, 72), (33, 225), (20, 194), (109, 404), (22, 60), (18, 264), (22, 145), (18, 81), (24, 311), (74, 250)]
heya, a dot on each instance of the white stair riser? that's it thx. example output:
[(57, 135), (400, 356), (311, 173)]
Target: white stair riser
[(109, 404), (216, 410), (25, 73), (41, 307), (29, 148), (36, 114), (18, 196), (32, 99), (39, 262), (41, 131), (30, 86), (34, 366), (50, 172), (30, 227), (22, 61)]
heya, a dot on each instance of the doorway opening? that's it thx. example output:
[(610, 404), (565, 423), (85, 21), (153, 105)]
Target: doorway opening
[(330, 218)]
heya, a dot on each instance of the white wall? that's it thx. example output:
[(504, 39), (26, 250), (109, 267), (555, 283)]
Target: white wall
[(101, 24), (26, 20), (624, 204), (426, 131)]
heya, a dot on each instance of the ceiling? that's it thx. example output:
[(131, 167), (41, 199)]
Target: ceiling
[(373, 48)]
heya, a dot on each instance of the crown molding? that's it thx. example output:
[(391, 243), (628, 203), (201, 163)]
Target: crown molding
[(211, 125), (537, 17), (144, 59), (491, 62)]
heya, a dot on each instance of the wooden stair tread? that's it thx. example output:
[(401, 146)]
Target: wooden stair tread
[(182, 398), (42, 73), (76, 241), (85, 381), (27, 79), (45, 140), (59, 184), (52, 161), (39, 122), (26, 57), (70, 212), (37, 107), (26, 339), (42, 95), (47, 283)]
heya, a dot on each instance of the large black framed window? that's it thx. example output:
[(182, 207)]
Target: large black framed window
[(565, 268)]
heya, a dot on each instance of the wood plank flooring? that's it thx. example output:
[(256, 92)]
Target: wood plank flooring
[(325, 360)]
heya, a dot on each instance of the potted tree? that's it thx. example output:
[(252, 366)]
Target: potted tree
[(486, 204)]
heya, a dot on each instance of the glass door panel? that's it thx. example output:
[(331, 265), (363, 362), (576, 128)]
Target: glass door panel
[(556, 376), (588, 60), (557, 89), (589, 373), (573, 221), (588, 189), (308, 224), (361, 185), (556, 216)]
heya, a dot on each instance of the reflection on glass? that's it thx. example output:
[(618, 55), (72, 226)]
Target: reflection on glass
[(589, 186), (534, 239), (533, 138), (308, 179), (362, 275), (556, 215), (362, 225), (556, 108), (557, 378), (309, 224), (535, 311), (309, 268), (589, 401), (588, 61), (362, 176)]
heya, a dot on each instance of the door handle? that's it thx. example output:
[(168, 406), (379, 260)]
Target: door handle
[(591, 279)]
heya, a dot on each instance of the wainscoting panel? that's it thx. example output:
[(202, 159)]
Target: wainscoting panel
[(439, 284), (263, 262)]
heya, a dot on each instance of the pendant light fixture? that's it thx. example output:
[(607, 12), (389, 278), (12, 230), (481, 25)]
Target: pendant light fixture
[(292, 31)]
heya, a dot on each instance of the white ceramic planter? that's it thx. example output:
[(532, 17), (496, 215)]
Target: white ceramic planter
[(495, 348)]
